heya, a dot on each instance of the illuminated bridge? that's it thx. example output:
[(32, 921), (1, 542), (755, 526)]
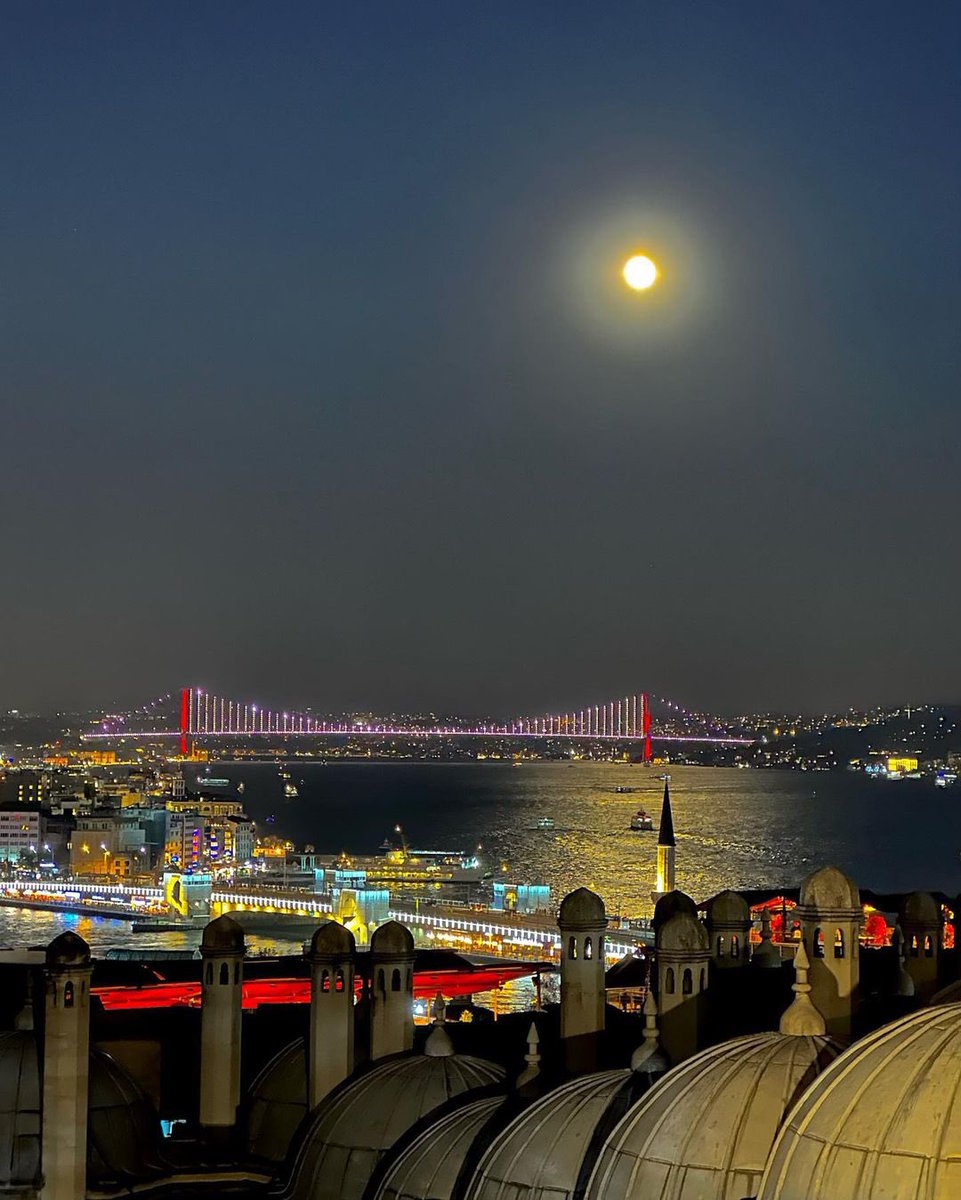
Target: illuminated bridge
[(432, 923), (203, 715)]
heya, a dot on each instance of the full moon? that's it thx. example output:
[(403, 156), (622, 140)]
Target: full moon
[(639, 272)]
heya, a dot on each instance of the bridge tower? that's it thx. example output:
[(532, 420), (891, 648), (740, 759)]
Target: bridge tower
[(184, 722), (646, 725)]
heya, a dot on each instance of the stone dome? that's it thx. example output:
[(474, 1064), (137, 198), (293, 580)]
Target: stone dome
[(332, 939), (920, 908), (829, 889), (392, 939), (67, 949), (729, 909), (222, 936), (669, 904), (548, 1150), (582, 909), (881, 1122), (277, 1103), (124, 1131), (348, 1133), (431, 1164), (706, 1129), (682, 932)]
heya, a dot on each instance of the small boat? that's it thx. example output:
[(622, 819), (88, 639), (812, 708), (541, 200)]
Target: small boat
[(545, 822), (642, 821), (621, 789), (290, 791)]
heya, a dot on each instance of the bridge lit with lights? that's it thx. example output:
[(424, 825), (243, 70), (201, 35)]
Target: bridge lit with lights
[(204, 715)]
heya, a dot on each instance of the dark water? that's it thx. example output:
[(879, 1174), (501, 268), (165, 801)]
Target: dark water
[(734, 828)]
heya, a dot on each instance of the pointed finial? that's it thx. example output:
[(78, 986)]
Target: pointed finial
[(648, 1048), (801, 1018), (767, 954), (532, 1058), (438, 1009), (905, 982)]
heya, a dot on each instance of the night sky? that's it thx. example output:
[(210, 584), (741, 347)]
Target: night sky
[(320, 386)]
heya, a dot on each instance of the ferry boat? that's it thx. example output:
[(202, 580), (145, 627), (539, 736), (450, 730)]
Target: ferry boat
[(545, 823), (401, 867), (642, 821), (290, 791)]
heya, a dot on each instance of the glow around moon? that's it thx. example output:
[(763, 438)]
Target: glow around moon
[(639, 272)]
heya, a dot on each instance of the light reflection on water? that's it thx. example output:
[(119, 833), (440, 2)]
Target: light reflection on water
[(734, 828)]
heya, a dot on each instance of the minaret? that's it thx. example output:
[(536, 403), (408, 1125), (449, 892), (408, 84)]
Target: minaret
[(582, 921), (830, 914), (331, 1039), (221, 1005), (391, 987), (66, 1068), (665, 849)]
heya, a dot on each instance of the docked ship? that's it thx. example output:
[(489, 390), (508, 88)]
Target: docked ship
[(398, 866)]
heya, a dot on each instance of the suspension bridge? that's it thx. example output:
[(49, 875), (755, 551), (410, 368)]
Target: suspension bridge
[(198, 715)]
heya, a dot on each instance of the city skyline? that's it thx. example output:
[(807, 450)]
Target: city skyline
[(322, 379)]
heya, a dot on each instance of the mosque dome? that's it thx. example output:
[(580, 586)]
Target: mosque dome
[(349, 1132), (829, 889), (582, 909), (729, 908), (706, 1129), (547, 1150), (123, 1128), (881, 1122), (277, 1103), (669, 904), (223, 936), (431, 1164)]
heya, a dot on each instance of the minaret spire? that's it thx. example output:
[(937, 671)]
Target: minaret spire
[(665, 848), (665, 833)]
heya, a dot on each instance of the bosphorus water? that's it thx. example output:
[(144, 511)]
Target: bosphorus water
[(734, 828)]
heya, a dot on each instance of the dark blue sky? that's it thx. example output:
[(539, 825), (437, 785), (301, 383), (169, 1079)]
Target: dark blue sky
[(319, 385)]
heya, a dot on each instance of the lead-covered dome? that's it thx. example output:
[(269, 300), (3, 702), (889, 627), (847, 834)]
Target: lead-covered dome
[(277, 1103), (548, 1150), (350, 1131), (883, 1122), (124, 1131), (428, 1169), (705, 1130)]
